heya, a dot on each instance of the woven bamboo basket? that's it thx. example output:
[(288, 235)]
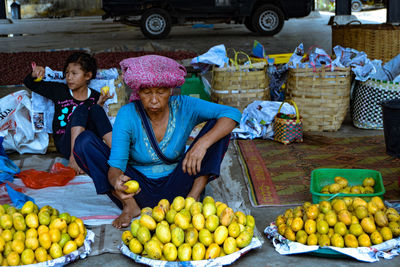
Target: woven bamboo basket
[(322, 95), (238, 86), (378, 41)]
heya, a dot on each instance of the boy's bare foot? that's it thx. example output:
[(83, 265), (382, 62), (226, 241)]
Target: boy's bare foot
[(129, 211)]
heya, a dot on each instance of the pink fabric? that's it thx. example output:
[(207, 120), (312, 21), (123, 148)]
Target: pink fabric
[(151, 71)]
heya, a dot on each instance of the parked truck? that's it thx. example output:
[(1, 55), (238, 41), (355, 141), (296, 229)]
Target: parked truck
[(156, 17)]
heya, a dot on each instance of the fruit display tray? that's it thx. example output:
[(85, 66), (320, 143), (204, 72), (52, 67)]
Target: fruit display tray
[(322, 177)]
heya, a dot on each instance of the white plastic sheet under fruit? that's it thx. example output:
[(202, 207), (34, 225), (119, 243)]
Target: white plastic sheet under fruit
[(78, 198), (219, 261), (283, 246)]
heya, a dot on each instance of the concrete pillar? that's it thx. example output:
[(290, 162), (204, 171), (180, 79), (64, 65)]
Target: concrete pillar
[(393, 11), (3, 14), (343, 7)]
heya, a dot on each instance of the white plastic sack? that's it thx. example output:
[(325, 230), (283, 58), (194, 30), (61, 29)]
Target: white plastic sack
[(257, 117), (16, 126)]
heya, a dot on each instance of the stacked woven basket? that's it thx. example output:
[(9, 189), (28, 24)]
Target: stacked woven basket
[(238, 86), (378, 41), (322, 95)]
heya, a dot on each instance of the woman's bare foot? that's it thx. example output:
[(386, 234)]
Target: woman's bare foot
[(129, 211)]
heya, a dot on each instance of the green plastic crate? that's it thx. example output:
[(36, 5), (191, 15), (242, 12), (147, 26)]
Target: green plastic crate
[(194, 87), (322, 177)]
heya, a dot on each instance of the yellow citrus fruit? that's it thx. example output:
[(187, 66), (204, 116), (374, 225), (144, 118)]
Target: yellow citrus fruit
[(32, 220), (126, 236), (59, 224), (135, 246), (7, 235), (55, 251), (27, 256), (13, 258), (55, 235), (234, 229), (32, 243), (198, 252), (184, 252), (20, 235), (18, 246), (213, 251), (66, 216), (170, 252), (104, 90), (42, 229), (41, 254), (69, 247), (45, 240), (2, 243), (64, 239), (80, 240), (229, 245), (220, 234), (32, 232), (132, 185), (73, 230)]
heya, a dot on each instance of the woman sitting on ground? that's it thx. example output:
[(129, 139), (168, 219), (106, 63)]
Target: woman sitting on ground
[(172, 171)]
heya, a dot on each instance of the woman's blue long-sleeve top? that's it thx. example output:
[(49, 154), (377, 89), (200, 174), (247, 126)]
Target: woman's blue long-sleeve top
[(130, 144)]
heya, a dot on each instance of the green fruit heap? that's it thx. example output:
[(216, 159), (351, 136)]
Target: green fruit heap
[(30, 235), (188, 230), (347, 222), (341, 186)]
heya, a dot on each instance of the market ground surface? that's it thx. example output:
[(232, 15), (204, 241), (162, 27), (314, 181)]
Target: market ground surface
[(98, 35)]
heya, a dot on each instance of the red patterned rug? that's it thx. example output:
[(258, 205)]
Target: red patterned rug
[(279, 175)]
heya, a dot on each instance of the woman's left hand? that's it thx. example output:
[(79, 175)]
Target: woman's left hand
[(192, 161), (103, 98)]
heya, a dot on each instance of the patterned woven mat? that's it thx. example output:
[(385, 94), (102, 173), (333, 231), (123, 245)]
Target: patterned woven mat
[(279, 175)]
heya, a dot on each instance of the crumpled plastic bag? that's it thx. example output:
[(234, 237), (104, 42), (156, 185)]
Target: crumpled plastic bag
[(257, 117), (7, 167), (59, 175), (18, 199), (319, 57), (258, 50), (359, 62), (295, 59), (16, 125), (364, 68), (216, 55), (390, 71)]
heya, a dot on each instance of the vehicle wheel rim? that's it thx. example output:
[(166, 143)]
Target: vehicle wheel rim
[(268, 20), (356, 6), (155, 24)]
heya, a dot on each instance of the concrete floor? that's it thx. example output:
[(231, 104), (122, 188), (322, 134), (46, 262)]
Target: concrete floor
[(91, 32)]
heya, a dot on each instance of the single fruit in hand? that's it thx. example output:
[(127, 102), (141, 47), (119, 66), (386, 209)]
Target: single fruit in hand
[(105, 90), (132, 185)]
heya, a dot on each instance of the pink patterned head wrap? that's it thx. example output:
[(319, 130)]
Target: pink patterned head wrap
[(151, 71)]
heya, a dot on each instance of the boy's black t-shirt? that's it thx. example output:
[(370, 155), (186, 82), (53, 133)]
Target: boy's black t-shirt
[(64, 103)]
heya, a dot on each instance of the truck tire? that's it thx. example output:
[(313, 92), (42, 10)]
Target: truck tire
[(356, 5), (155, 23), (268, 20), (249, 24)]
